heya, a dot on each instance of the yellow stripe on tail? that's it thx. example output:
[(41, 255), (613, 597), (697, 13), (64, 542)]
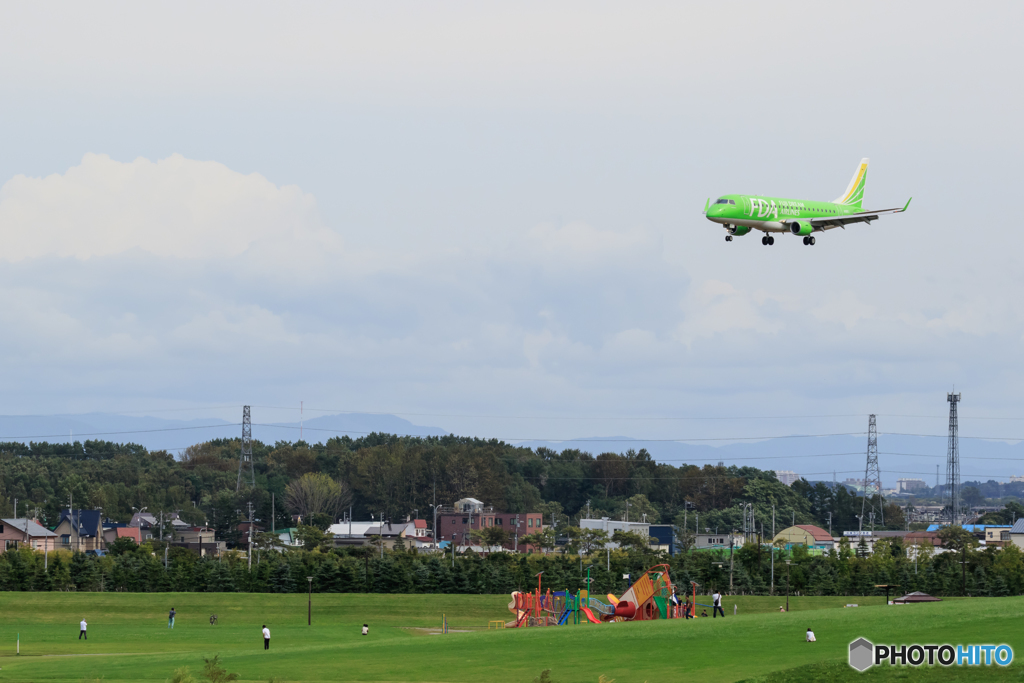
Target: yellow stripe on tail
[(854, 195)]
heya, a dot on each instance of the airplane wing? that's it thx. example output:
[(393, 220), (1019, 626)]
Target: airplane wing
[(829, 222)]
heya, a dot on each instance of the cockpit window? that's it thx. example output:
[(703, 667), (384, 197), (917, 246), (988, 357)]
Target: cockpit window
[(722, 201), (732, 201)]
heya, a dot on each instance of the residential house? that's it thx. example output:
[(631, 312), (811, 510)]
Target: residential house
[(915, 541), (350, 532), (997, 536), (150, 524), (80, 530), (21, 532), (1017, 533), (112, 532), (287, 537)]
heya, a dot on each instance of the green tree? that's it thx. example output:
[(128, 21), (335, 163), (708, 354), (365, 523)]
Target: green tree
[(490, 536), (631, 540), (310, 536), (586, 541), (960, 541), (215, 672)]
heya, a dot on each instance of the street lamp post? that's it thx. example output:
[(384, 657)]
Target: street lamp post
[(309, 614)]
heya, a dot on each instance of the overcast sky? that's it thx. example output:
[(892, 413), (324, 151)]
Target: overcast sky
[(446, 209)]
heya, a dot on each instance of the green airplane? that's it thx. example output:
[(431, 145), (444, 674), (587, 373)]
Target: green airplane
[(741, 213)]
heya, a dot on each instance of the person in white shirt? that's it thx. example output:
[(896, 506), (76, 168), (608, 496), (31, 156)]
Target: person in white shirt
[(810, 636), (82, 633), (716, 605), (266, 637), (366, 629)]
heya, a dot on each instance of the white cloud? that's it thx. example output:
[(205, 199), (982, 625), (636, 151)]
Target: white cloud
[(174, 207)]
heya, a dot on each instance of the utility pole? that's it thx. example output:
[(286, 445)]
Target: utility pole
[(732, 541), (952, 492), (787, 585), (250, 533), (245, 467), (872, 477), (273, 514), (830, 524)]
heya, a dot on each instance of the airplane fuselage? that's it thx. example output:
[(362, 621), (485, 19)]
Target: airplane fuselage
[(771, 214)]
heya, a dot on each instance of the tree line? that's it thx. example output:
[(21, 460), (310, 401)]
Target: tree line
[(405, 476), (844, 570)]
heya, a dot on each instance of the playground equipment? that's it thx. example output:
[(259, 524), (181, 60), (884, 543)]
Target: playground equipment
[(648, 598)]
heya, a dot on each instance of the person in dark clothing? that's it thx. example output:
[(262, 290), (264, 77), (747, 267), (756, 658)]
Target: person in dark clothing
[(716, 605), (688, 610), (703, 612), (170, 618)]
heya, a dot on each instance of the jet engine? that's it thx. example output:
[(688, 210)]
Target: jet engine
[(739, 230), (801, 228)]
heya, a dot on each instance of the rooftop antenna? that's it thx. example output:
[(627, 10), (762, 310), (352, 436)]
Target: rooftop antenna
[(872, 479), (952, 492), (300, 420), (245, 461)]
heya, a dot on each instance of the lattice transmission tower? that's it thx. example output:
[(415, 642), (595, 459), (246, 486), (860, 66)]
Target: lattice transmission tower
[(871, 504), (952, 492), (245, 468)]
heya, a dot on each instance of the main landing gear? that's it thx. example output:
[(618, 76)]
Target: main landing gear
[(768, 240), (728, 238), (809, 240)]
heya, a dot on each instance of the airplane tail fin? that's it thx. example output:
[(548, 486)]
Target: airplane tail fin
[(854, 195)]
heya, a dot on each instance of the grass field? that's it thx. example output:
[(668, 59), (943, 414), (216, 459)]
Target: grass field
[(129, 639)]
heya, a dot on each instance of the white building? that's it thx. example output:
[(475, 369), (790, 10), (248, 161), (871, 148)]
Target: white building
[(610, 526), (910, 485), (787, 477)]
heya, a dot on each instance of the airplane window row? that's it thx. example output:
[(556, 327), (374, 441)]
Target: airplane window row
[(726, 201)]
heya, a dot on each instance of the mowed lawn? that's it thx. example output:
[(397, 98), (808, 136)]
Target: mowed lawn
[(129, 639)]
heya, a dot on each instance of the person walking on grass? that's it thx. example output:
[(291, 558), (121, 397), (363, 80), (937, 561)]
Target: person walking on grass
[(266, 637), (82, 633), (170, 618), (716, 605)]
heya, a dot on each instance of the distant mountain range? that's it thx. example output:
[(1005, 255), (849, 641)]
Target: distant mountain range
[(157, 433), (814, 458)]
